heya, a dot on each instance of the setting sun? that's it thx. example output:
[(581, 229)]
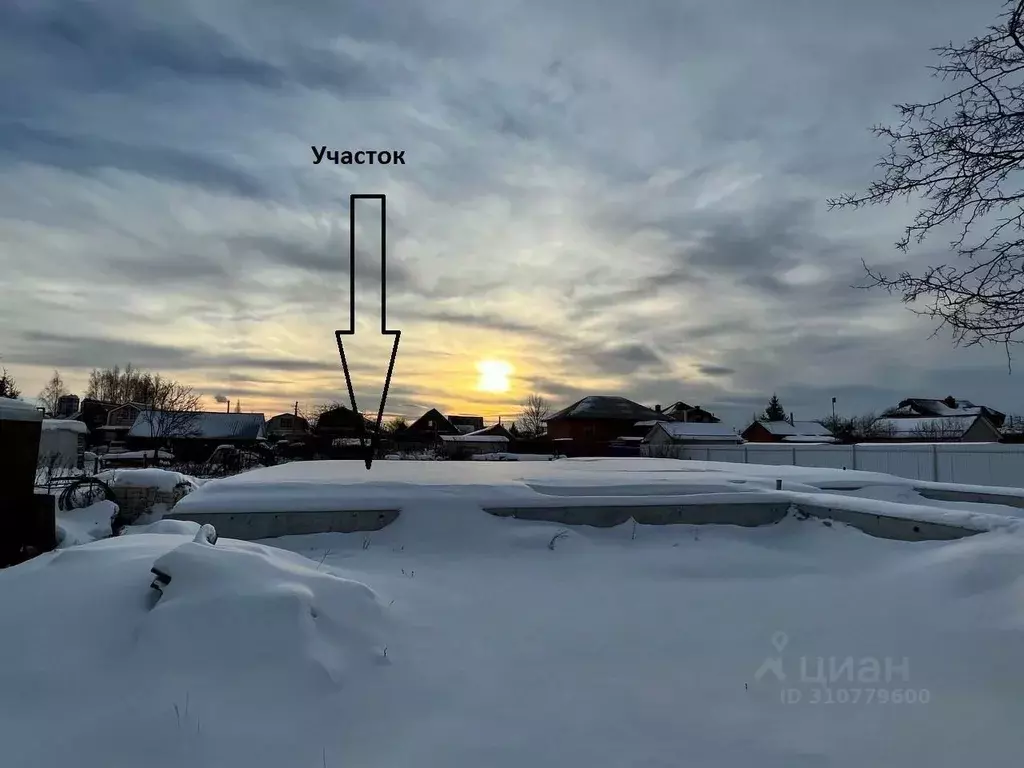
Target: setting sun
[(493, 376)]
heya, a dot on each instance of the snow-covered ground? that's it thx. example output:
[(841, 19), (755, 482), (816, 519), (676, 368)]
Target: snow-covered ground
[(454, 638)]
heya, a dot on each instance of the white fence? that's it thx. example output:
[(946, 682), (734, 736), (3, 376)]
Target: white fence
[(967, 463)]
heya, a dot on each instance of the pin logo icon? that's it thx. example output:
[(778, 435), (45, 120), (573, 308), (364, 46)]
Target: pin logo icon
[(773, 664)]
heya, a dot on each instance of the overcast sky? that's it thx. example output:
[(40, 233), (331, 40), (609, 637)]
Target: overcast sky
[(612, 197)]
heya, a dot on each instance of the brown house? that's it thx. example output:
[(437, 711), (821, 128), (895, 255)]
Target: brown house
[(593, 424), (341, 422), (788, 432)]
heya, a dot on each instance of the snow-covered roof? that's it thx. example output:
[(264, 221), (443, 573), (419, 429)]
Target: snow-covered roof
[(946, 426), (18, 410), (605, 407), (66, 425), (474, 438), (808, 439), (690, 430), (204, 425), (785, 429)]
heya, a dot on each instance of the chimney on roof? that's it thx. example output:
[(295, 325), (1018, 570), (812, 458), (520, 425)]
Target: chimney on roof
[(791, 418), (657, 409), (229, 405)]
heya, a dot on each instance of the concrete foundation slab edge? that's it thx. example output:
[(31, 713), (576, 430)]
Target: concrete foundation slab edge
[(252, 526)]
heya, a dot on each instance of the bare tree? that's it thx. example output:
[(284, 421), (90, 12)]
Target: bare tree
[(54, 390), (532, 420), (939, 429), (171, 413), (961, 155), (8, 386)]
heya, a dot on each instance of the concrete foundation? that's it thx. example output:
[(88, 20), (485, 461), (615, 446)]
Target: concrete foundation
[(882, 527), (250, 526), (971, 496), (747, 515)]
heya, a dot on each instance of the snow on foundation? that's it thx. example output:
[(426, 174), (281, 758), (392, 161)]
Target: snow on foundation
[(246, 645), (86, 524), (336, 486), (162, 479)]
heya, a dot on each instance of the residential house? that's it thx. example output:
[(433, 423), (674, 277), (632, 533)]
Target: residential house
[(93, 413), (120, 420), (922, 407), (67, 406), (600, 425), (287, 426), (467, 424), (962, 428), (194, 437), (425, 433), (342, 422), (667, 439), (680, 411), (788, 432)]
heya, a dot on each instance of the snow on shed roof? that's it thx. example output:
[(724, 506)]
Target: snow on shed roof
[(204, 425), (68, 425), (687, 430), (474, 438), (606, 407), (18, 410)]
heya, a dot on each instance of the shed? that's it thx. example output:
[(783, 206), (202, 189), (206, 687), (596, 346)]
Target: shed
[(667, 439), (468, 445), (62, 444)]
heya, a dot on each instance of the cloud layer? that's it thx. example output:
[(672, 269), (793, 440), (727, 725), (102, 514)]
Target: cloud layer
[(613, 198)]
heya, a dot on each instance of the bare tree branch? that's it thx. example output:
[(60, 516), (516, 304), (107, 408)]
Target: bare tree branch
[(962, 156)]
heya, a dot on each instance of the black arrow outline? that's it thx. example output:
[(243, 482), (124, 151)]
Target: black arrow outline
[(371, 449)]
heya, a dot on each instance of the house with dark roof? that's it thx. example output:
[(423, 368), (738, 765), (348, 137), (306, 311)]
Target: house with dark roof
[(961, 428), (595, 424), (194, 436), (425, 433), (680, 411), (949, 407), (467, 424), (788, 432)]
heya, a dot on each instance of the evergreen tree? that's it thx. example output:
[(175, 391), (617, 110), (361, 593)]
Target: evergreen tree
[(774, 411), (8, 386)]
